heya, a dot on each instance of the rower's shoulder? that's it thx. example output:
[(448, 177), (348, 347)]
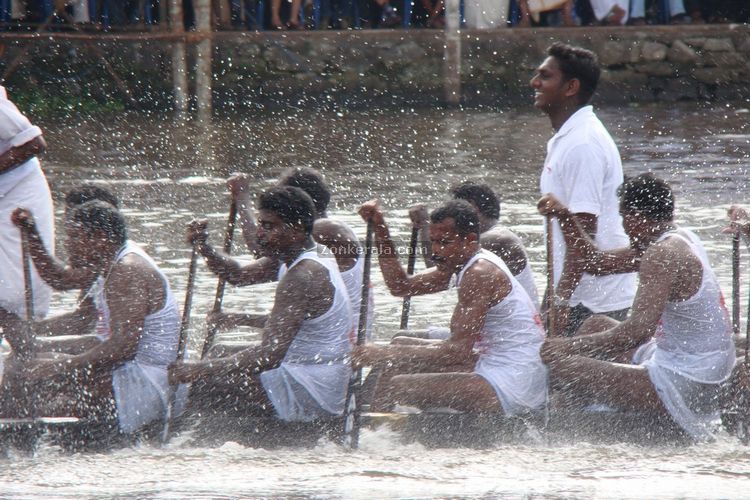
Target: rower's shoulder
[(668, 251), (333, 229), (501, 238)]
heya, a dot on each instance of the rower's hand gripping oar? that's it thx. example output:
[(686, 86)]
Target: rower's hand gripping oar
[(219, 299), (182, 341), (411, 263), (351, 408)]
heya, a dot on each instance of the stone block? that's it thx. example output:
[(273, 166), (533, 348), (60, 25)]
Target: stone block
[(714, 76), (653, 51), (696, 42), (680, 52), (613, 53), (658, 69), (718, 45), (744, 46)]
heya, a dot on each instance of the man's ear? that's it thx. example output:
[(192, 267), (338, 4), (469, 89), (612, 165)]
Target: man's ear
[(573, 87)]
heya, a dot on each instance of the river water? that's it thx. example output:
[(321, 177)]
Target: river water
[(167, 173)]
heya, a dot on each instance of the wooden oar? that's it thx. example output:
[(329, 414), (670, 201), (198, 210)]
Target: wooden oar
[(351, 408), (411, 263), (219, 299), (182, 340), (550, 275), (25, 351), (736, 283)]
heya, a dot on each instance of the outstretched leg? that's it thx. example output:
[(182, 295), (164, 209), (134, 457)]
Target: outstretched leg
[(458, 391)]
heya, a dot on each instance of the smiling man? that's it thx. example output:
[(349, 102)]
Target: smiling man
[(491, 361), (583, 170)]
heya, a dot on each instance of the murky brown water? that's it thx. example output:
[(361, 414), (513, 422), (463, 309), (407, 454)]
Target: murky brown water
[(167, 174)]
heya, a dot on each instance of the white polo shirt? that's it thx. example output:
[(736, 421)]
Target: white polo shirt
[(15, 130), (583, 170)]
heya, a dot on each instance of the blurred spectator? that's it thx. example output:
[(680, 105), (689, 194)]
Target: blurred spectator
[(532, 12), (293, 23), (676, 12), (486, 14), (428, 14), (610, 12)]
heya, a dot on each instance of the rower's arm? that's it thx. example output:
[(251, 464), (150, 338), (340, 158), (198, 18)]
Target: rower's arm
[(52, 270), (261, 270), (21, 154), (574, 264), (398, 281), (658, 272), (577, 237), (75, 322), (482, 287)]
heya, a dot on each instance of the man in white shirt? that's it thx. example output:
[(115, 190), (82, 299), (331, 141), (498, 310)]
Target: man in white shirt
[(583, 170), (22, 184)]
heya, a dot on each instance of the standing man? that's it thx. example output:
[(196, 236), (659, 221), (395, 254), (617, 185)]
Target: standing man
[(583, 170), (22, 184)]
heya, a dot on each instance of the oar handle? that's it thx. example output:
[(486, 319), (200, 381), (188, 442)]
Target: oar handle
[(352, 411), (185, 322), (219, 299), (736, 283), (550, 246), (410, 265)]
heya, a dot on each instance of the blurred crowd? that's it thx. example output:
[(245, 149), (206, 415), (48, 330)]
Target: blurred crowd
[(344, 14)]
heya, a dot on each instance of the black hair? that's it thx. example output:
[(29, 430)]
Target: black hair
[(481, 195), (97, 215), (293, 205), (88, 192), (648, 195), (463, 214), (311, 182), (578, 63)]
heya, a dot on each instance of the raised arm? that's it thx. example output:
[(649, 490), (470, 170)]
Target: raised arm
[(54, 272), (262, 270), (239, 187), (20, 154), (594, 261), (398, 281)]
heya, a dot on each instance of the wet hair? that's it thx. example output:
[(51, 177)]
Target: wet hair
[(293, 205), (88, 192), (481, 195), (311, 182), (463, 214), (578, 63), (97, 215), (648, 195)]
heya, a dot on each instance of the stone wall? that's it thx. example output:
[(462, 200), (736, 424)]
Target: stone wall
[(393, 68)]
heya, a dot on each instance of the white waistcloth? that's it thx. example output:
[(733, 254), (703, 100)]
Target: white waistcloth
[(583, 171), (509, 346), (313, 377), (486, 14), (28, 191)]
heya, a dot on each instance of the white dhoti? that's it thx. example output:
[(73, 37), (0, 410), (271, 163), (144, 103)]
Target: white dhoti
[(31, 192), (520, 387), (602, 8), (484, 14), (142, 393), (307, 392)]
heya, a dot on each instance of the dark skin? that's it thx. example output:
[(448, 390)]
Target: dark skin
[(305, 292), (498, 240), (446, 377), (19, 155)]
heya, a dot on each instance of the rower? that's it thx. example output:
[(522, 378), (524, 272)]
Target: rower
[(300, 370), (338, 236), (64, 277), (491, 360), (123, 379), (493, 236), (678, 319)]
